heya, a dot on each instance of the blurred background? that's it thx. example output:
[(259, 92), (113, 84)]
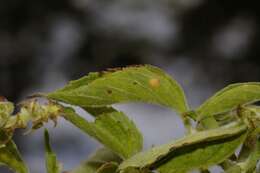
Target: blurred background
[(205, 45)]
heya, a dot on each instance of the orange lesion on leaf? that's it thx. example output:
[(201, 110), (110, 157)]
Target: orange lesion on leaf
[(154, 82)]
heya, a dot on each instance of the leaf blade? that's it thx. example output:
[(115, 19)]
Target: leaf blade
[(230, 97), (112, 128), (132, 84), (162, 154), (208, 156)]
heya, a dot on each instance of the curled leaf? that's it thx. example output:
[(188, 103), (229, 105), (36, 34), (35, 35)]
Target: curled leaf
[(198, 150), (202, 156)]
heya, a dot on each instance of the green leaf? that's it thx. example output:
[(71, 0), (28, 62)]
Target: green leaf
[(204, 155), (132, 84), (234, 169), (10, 156), (103, 161), (198, 150), (248, 164), (52, 164), (108, 168), (111, 128), (229, 98)]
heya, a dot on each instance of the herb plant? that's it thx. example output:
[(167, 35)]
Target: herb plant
[(222, 131)]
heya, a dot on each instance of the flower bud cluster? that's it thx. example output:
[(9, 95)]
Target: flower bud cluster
[(30, 111)]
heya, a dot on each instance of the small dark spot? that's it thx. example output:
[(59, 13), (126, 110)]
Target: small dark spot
[(109, 91), (135, 83)]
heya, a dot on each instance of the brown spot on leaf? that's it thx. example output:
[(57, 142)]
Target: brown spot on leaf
[(112, 70), (154, 83), (109, 91)]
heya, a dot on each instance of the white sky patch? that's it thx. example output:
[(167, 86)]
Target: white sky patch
[(232, 40), (149, 21)]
